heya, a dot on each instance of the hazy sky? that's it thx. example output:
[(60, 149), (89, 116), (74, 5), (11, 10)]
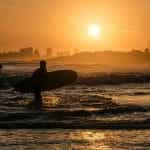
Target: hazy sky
[(125, 24)]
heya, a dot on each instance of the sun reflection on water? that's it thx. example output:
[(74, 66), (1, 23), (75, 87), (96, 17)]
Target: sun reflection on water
[(92, 136), (51, 101)]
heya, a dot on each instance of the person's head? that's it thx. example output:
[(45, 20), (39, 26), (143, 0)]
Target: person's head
[(43, 64)]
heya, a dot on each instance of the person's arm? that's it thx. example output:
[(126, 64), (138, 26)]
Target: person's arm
[(35, 73)]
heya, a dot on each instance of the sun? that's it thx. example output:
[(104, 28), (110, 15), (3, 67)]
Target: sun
[(94, 30)]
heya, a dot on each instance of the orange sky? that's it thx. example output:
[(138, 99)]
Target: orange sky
[(64, 23)]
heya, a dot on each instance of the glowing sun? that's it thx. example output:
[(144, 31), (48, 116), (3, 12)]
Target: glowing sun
[(94, 30)]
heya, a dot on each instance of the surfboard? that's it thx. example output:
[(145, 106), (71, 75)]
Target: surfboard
[(52, 80)]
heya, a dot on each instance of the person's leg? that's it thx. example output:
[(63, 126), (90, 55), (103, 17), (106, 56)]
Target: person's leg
[(38, 98)]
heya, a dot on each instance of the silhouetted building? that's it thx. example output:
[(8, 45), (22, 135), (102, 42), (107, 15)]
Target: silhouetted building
[(49, 53), (25, 52), (36, 53), (146, 50), (22, 53)]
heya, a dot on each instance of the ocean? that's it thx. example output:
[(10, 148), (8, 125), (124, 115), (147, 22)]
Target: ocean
[(92, 114)]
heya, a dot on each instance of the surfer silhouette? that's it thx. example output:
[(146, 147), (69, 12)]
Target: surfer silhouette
[(41, 80), (38, 76)]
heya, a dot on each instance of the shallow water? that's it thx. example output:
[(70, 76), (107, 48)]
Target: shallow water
[(74, 140), (76, 106)]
